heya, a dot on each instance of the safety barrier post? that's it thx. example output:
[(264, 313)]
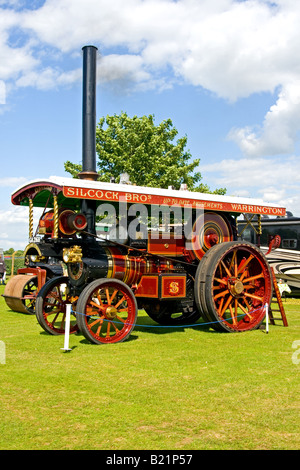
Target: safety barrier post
[(267, 318), (67, 328)]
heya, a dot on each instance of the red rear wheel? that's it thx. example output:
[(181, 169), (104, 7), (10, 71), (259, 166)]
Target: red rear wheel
[(233, 284)]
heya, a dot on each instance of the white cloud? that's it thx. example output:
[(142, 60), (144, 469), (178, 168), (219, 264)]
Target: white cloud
[(280, 128), (15, 58), (12, 181), (273, 180), (255, 172), (14, 216), (15, 221), (2, 92), (48, 78), (231, 48), (16, 227), (272, 193)]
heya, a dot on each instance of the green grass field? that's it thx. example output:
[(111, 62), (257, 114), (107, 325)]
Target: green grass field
[(163, 389)]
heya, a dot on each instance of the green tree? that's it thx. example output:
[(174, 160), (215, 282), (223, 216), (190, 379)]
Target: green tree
[(148, 153), (11, 251)]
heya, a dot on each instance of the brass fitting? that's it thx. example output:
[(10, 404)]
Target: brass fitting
[(33, 253), (72, 254)]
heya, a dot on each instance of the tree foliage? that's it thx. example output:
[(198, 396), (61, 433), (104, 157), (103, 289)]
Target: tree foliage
[(11, 251), (148, 153)]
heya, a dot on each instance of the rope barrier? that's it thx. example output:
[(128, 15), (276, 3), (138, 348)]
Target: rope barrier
[(69, 310), (166, 326)]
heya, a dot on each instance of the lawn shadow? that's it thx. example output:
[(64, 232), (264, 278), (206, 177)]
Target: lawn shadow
[(146, 324)]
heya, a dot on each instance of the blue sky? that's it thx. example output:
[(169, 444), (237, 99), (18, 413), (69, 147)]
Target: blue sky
[(225, 71)]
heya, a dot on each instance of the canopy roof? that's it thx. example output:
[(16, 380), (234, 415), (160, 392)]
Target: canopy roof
[(70, 191)]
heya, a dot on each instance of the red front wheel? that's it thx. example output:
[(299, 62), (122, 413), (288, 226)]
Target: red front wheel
[(106, 311)]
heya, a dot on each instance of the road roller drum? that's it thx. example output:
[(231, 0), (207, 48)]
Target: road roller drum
[(20, 293)]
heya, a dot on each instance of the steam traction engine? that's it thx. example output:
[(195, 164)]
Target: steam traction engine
[(178, 270)]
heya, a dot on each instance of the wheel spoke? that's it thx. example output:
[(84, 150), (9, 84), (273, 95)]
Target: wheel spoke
[(55, 318), (245, 311), (233, 317), (221, 281), (99, 327), (121, 319), (253, 278), (96, 321), (247, 303), (55, 296), (220, 306), (107, 297), (100, 300), (120, 301), (116, 329), (226, 269), (252, 296), (226, 306), (113, 295), (249, 287), (62, 320), (244, 263), (94, 304), (221, 294), (233, 264)]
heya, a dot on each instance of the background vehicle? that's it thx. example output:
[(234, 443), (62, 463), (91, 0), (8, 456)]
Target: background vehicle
[(284, 232)]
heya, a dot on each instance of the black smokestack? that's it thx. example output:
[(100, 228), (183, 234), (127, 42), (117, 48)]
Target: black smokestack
[(89, 113), (88, 207)]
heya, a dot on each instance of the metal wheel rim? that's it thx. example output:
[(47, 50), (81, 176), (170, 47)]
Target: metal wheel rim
[(240, 288), (107, 312), (52, 314)]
